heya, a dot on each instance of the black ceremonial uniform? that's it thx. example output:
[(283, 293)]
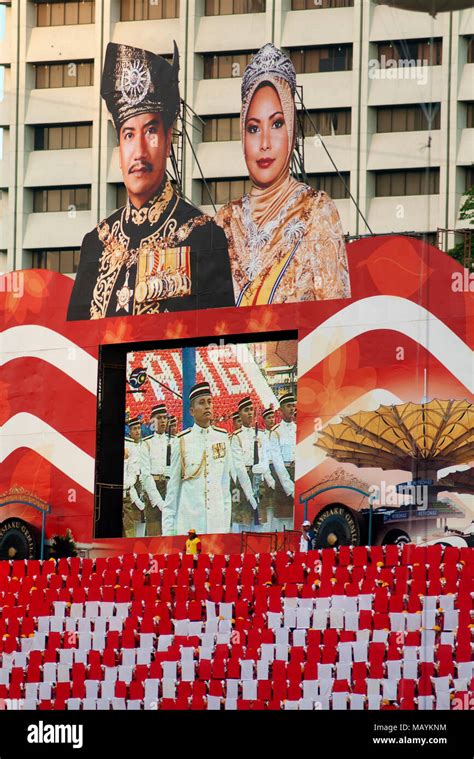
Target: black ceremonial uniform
[(165, 256)]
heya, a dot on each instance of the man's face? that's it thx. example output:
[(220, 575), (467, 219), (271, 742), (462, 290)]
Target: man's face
[(269, 421), (201, 410), (144, 146), (247, 415), (136, 432), (288, 411), (236, 423), (173, 428), (159, 423)]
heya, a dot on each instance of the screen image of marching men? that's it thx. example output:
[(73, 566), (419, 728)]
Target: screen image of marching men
[(264, 468), (157, 253)]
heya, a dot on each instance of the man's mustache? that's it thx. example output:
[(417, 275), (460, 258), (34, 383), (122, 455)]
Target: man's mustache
[(140, 165)]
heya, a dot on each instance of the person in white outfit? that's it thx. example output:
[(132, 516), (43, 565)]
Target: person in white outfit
[(141, 497), (159, 445), (198, 493), (282, 443), (251, 458)]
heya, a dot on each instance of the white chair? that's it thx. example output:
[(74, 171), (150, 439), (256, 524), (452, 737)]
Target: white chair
[(118, 704), (144, 655), (66, 656), (169, 670), (356, 702), (282, 636), (465, 669), (59, 608), (289, 618), (181, 627), (230, 704), (249, 690), (125, 673), (70, 624), (89, 704), (360, 650), (225, 610), (84, 641), (103, 704), (303, 618), (389, 690), (84, 625), (44, 692), (325, 688), (323, 604), (320, 619), (73, 704), (425, 703), (397, 621), (151, 689), (20, 659), (80, 655), (91, 609), (345, 652), (76, 610), (305, 705), (106, 609), (232, 689), (394, 669), (224, 637), (211, 625), (351, 621), (50, 672), (213, 703), (267, 651), (207, 640), (30, 704), (413, 622), (299, 637), (43, 624), (365, 602), (291, 706), (274, 620), (373, 686), (340, 701), (195, 628), (210, 610), (164, 642), (31, 691), (410, 670), (134, 705), (343, 671), (115, 624), (168, 687), (451, 620), (447, 603), (188, 671), (380, 636), (373, 702), (310, 689), (56, 624), (281, 652), (98, 641), (246, 669), (122, 609), (107, 689), (100, 625), (92, 688)]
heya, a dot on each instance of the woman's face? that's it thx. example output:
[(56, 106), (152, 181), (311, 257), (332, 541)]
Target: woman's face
[(266, 137)]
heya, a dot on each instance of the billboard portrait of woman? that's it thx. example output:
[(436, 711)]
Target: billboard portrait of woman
[(285, 239)]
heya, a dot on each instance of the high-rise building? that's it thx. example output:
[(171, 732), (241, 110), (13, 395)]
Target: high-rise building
[(391, 93)]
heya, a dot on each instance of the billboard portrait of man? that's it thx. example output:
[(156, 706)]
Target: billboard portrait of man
[(157, 253)]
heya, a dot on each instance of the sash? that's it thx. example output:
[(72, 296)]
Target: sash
[(263, 288)]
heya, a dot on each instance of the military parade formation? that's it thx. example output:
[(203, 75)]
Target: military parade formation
[(205, 478)]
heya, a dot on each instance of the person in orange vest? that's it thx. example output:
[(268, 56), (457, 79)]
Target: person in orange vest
[(193, 543)]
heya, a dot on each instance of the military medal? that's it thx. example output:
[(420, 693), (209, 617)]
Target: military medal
[(124, 295)]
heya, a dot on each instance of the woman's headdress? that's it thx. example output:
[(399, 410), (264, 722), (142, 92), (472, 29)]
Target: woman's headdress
[(267, 63)]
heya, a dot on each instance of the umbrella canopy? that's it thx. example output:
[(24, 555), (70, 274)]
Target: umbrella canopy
[(418, 437), (459, 482), (427, 6)]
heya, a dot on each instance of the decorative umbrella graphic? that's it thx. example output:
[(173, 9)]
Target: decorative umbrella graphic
[(421, 438), (459, 482)]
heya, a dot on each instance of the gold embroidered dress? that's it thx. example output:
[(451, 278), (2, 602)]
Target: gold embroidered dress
[(285, 241)]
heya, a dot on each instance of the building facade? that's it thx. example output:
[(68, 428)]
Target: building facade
[(391, 94)]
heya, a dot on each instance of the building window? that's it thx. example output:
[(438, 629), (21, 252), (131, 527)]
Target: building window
[(470, 115), (66, 13), (333, 184), (426, 52), (469, 182), (303, 5), (221, 129), (228, 7), (65, 261), (223, 66), (72, 74), (407, 182), (470, 50), (316, 60), (148, 10), (224, 190), (61, 199), (408, 118), (63, 137), (325, 123)]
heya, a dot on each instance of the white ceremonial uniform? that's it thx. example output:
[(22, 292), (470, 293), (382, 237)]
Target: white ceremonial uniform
[(242, 448), (158, 445), (282, 444), (130, 476), (139, 455), (233, 473), (198, 494)]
